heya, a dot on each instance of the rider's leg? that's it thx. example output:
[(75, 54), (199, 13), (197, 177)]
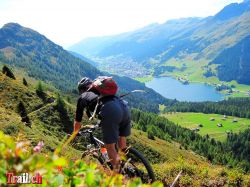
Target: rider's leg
[(113, 156), (122, 142)]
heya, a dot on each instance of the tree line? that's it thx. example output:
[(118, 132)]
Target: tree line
[(239, 107)]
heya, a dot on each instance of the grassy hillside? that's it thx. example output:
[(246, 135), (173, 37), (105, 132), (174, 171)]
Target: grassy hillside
[(41, 58), (168, 151), (46, 123), (173, 158), (49, 123), (209, 123)]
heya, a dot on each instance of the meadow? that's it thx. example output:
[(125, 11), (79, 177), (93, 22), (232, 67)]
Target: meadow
[(209, 123)]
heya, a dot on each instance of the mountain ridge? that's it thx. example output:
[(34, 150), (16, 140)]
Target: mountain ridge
[(42, 59), (232, 10), (199, 40)]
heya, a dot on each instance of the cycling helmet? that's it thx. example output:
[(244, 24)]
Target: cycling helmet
[(84, 84)]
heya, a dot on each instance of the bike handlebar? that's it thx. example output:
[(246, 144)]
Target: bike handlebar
[(88, 129)]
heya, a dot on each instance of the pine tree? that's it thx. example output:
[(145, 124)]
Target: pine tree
[(8, 72), (23, 113), (21, 109), (39, 87), (40, 91), (25, 82), (60, 104)]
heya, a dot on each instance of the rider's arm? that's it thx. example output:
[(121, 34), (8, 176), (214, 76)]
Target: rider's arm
[(77, 126), (81, 104)]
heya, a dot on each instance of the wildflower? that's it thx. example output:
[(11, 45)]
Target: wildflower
[(18, 149), (38, 147)]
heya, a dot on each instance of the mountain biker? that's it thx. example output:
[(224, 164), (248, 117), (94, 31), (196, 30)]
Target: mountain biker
[(113, 114)]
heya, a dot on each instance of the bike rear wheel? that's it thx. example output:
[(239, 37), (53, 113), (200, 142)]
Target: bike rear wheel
[(135, 165), (138, 166)]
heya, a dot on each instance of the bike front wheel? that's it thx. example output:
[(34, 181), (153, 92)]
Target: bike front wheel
[(137, 166)]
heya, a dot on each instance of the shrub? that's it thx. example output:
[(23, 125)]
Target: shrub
[(11, 129), (186, 181), (235, 178), (150, 135)]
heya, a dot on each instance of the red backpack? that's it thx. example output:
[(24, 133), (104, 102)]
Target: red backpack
[(104, 85)]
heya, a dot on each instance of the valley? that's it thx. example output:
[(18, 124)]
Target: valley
[(191, 114), (193, 72), (210, 50)]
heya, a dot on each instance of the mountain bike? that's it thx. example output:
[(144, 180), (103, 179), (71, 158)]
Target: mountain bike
[(134, 164)]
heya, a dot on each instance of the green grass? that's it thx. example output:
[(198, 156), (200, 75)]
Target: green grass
[(47, 124), (192, 120), (161, 107), (196, 169), (169, 151), (144, 79)]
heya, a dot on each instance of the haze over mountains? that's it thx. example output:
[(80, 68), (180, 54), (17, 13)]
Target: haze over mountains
[(200, 40), (37, 56)]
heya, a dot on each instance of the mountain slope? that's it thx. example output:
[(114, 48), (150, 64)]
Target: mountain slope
[(48, 125), (172, 158), (139, 45), (198, 40), (83, 58), (40, 58), (46, 122), (234, 62)]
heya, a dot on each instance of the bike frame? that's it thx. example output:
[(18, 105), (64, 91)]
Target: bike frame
[(92, 138)]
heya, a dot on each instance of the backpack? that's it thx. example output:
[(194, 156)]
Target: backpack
[(100, 103), (104, 85)]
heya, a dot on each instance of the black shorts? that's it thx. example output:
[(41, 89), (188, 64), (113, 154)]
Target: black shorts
[(115, 120)]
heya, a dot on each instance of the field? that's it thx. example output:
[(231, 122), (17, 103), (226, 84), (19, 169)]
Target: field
[(209, 123)]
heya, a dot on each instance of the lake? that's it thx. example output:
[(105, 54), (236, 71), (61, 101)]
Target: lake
[(174, 89)]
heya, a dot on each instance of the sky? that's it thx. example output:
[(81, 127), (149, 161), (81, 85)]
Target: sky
[(67, 22)]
